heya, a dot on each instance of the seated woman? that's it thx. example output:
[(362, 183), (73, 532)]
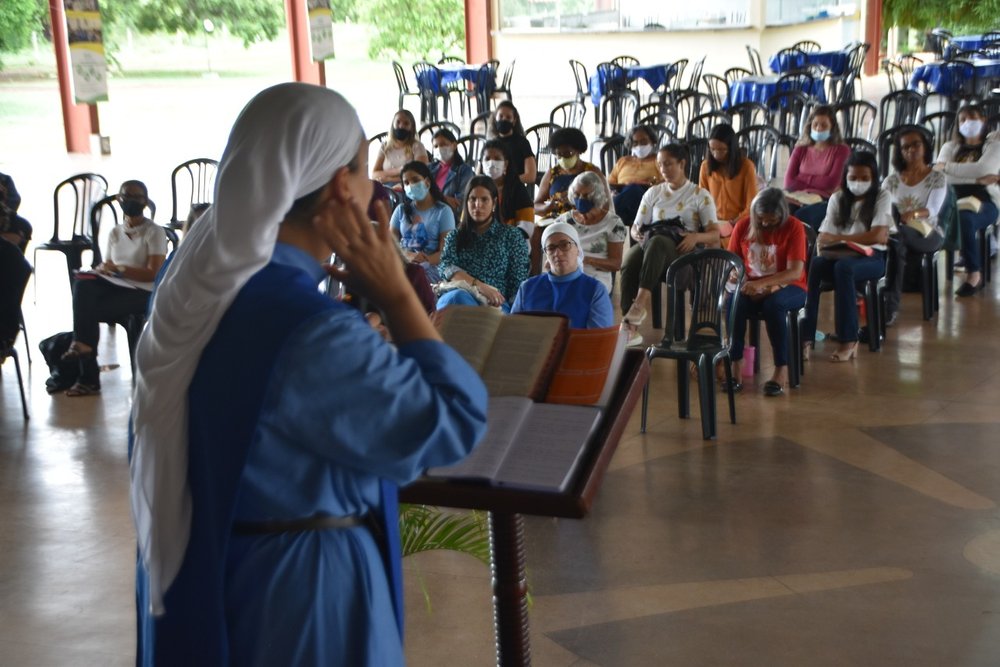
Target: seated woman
[(482, 251), (136, 250), (400, 147), (633, 174), (860, 212), (817, 163), (13, 228), (566, 144), (565, 288), (450, 171), (772, 245), (678, 200), (729, 176), (971, 161), (421, 223), (505, 127), (516, 208), (917, 193), (601, 233)]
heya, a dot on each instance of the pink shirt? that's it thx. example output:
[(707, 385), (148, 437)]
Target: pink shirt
[(442, 174), (816, 171)]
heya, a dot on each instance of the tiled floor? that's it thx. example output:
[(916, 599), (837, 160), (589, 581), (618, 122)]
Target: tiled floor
[(851, 522)]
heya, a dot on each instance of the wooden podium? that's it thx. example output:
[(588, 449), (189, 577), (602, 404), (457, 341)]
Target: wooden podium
[(506, 507)]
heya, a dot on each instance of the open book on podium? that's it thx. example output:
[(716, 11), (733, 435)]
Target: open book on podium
[(547, 386)]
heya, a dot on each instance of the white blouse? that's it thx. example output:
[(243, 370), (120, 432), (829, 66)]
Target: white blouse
[(929, 193), (964, 173), (133, 246), (881, 218), (693, 205)]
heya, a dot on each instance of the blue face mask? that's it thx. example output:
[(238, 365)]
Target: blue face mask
[(819, 136), (583, 205), (417, 191)]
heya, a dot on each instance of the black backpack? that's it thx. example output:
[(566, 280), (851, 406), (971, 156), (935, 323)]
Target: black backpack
[(63, 374)]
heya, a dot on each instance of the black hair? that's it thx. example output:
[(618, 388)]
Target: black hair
[(491, 129), (644, 129), (511, 181), (678, 152), (425, 172), (465, 234), (734, 154), (456, 159), (568, 136), (898, 163), (848, 199), (137, 184), (970, 108)]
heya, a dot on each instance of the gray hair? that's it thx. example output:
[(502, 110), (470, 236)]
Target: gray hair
[(593, 180), (769, 201)]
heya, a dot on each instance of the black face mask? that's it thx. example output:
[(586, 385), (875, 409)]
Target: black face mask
[(504, 126), (401, 133), (132, 208)]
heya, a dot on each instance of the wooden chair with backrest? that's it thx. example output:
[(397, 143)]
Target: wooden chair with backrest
[(191, 182), (704, 342), (72, 201)]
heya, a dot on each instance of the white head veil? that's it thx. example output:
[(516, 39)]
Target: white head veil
[(288, 141)]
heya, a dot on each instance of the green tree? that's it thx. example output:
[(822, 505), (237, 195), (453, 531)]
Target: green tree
[(18, 19), (957, 15), (250, 20), (427, 29)]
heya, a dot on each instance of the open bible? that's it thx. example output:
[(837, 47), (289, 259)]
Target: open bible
[(847, 249)]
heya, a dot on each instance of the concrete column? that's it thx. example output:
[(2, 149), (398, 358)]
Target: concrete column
[(76, 117), (303, 68)]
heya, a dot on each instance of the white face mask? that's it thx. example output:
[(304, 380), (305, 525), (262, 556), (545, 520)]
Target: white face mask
[(971, 128), (446, 153), (643, 151), (493, 168), (858, 188)]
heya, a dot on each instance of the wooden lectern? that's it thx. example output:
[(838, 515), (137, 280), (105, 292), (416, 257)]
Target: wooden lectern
[(506, 507)]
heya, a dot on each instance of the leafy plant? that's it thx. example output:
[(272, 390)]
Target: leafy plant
[(956, 15), (424, 528), (18, 19), (406, 28)]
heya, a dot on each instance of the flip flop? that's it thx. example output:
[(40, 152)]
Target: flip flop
[(772, 388), (80, 389)]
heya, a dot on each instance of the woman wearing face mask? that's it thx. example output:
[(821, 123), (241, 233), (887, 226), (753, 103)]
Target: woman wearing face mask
[(772, 245), (484, 252), (633, 174), (450, 171), (860, 212), (917, 192), (421, 223), (601, 233), (817, 163), (136, 250), (505, 126), (515, 203), (971, 161), (400, 147), (646, 261), (729, 176), (567, 144), (565, 288)]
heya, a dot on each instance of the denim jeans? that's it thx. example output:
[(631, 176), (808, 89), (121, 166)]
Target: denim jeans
[(969, 223), (845, 274), (773, 309)]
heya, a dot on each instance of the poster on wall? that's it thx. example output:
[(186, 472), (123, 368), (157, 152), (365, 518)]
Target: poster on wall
[(86, 51), (320, 29)]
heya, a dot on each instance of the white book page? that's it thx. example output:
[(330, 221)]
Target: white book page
[(505, 416)]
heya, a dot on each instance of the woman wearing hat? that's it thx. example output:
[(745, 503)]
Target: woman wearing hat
[(566, 288)]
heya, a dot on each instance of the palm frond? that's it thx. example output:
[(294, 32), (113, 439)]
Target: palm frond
[(424, 528)]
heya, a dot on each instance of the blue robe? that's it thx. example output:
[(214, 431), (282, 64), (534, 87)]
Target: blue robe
[(298, 408), (581, 298)]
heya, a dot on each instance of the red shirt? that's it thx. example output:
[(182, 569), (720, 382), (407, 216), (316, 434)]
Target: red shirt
[(772, 252)]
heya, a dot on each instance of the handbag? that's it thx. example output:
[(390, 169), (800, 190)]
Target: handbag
[(672, 228), (63, 374)]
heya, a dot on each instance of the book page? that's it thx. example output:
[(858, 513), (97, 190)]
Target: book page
[(521, 349), (505, 416), (583, 370), (804, 198), (470, 331), (549, 447), (114, 280)]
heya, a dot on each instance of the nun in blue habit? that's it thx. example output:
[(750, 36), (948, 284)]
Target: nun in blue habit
[(271, 424)]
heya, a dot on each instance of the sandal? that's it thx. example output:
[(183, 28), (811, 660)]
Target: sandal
[(844, 355), (80, 389), (75, 351), (807, 349), (635, 316), (735, 384), (772, 388)]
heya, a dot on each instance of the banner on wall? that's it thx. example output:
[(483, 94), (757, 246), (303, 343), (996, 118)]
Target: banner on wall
[(320, 29), (86, 51)]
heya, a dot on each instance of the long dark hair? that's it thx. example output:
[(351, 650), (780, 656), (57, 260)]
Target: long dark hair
[(848, 199), (456, 158), (968, 152), (465, 233), (511, 182), (898, 163), (836, 137), (492, 127), (425, 172), (734, 154)]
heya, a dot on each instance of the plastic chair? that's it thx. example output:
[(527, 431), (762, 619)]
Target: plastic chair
[(717, 87), (941, 124), (807, 46), (110, 206), (787, 113), (702, 124), (857, 119), (707, 339), (402, 84), (469, 147), (568, 114), (82, 190), (582, 81), (756, 66), (734, 74), (746, 114), (503, 89), (760, 143), (425, 134), (538, 137), (18, 271), (197, 179), (431, 90), (611, 151), (898, 108)]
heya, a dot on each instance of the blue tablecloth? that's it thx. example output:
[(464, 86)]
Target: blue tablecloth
[(946, 78), (964, 42), (654, 75), (835, 61), (760, 89), (478, 75)]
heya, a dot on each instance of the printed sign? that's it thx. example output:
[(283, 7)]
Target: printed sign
[(86, 51), (320, 29)]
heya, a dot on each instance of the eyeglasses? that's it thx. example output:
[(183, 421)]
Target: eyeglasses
[(562, 246)]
